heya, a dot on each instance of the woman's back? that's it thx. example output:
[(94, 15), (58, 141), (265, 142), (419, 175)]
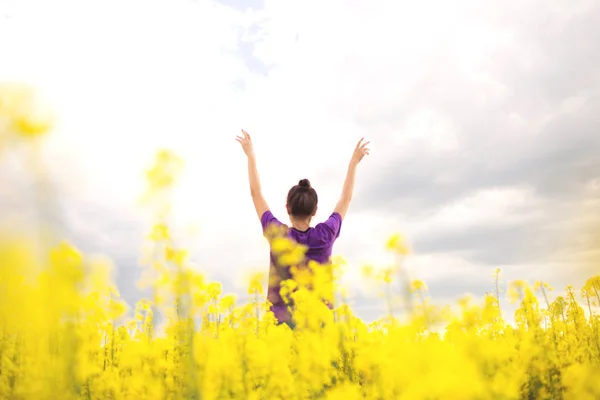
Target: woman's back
[(301, 206), (319, 239)]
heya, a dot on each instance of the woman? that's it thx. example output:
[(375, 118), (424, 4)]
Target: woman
[(302, 201)]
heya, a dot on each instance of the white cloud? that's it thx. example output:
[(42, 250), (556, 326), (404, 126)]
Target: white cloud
[(497, 207), (437, 131)]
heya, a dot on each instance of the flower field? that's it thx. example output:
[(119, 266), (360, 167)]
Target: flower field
[(65, 333)]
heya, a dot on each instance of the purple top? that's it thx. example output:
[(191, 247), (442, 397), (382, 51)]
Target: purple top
[(319, 241)]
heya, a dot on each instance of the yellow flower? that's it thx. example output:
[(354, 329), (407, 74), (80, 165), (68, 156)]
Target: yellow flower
[(117, 309), (282, 245), (176, 256), (160, 232), (228, 301), (294, 257), (387, 274), (22, 111), (418, 285), (28, 127), (368, 271), (397, 244), (256, 284), (303, 276), (214, 290)]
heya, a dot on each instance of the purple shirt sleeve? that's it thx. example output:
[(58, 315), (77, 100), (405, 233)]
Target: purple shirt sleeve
[(330, 229), (268, 219)]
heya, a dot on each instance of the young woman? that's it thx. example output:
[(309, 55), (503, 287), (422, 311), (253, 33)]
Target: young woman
[(301, 205)]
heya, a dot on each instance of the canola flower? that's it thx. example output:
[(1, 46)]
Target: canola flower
[(65, 333), (22, 114)]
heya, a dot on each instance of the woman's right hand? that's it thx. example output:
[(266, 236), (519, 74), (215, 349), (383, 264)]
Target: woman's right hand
[(360, 151)]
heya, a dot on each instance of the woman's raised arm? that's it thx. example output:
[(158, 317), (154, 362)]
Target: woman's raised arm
[(344, 202), (260, 203)]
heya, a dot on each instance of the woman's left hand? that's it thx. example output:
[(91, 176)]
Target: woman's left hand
[(246, 142)]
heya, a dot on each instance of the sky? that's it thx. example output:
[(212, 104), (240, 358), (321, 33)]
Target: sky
[(483, 119)]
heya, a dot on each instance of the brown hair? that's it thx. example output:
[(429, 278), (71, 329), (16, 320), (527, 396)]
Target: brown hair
[(302, 199)]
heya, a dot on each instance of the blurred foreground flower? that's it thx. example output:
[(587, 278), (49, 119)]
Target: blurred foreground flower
[(398, 244), (22, 113)]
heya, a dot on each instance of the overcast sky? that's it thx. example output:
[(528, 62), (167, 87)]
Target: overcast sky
[(484, 119)]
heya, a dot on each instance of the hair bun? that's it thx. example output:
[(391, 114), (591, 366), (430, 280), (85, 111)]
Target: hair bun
[(304, 183)]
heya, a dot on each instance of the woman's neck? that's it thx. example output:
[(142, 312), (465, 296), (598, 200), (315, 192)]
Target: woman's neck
[(300, 225)]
